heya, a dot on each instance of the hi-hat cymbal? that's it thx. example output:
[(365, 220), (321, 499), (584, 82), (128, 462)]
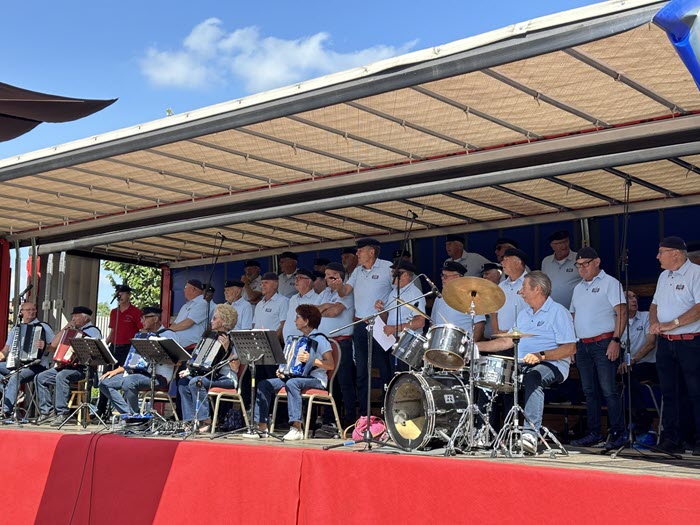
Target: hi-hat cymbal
[(515, 334), (411, 307), (460, 293)]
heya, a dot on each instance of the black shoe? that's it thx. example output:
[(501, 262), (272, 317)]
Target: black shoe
[(590, 440), (615, 440), (670, 447), (45, 418)]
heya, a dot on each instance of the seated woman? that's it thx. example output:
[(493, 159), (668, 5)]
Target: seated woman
[(314, 375), (193, 390)]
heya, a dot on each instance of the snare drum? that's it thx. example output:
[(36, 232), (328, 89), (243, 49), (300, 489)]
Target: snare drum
[(409, 348), (447, 346), (494, 373), (421, 408)]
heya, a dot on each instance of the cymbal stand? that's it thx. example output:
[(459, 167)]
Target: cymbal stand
[(466, 425), (508, 441)]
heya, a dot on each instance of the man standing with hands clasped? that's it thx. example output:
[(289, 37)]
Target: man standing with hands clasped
[(599, 308), (675, 316)]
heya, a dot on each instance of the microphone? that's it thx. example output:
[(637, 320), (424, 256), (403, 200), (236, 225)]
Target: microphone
[(432, 285), (26, 290), (222, 236), (116, 296), (413, 214)]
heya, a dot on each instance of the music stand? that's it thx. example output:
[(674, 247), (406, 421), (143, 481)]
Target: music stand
[(91, 352), (159, 351), (255, 347)]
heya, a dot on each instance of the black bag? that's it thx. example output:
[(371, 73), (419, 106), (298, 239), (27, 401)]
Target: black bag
[(233, 420)]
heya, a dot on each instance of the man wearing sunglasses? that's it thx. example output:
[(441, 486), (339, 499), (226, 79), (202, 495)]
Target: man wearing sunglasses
[(599, 308)]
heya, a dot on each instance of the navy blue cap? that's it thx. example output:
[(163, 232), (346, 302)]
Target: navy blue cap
[(455, 237), (234, 282), (366, 241), (289, 255), (336, 267), (81, 310), (454, 266), (251, 262), (491, 266), (673, 242), (349, 249), (196, 283), (270, 276), (151, 310), (404, 265), (515, 252), (306, 273), (558, 236), (587, 253)]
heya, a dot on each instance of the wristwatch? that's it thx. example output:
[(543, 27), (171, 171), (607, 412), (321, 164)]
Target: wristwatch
[(617, 340), (677, 322), (542, 357)]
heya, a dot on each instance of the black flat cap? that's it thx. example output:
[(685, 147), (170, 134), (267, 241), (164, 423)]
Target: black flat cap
[(491, 266), (366, 241), (349, 249), (289, 255), (81, 310), (336, 267), (453, 266), (515, 252), (251, 262), (234, 282), (558, 236), (455, 237), (587, 252), (123, 288), (404, 265), (152, 310), (306, 273), (673, 242), (196, 283), (270, 276)]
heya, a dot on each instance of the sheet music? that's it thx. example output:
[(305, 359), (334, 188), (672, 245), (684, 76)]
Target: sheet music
[(385, 341)]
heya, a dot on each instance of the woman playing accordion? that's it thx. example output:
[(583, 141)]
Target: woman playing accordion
[(317, 359), (195, 381)]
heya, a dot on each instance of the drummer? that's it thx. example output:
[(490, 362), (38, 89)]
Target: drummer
[(443, 313), (403, 289), (546, 356)]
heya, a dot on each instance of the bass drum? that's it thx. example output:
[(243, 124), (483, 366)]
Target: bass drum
[(422, 409)]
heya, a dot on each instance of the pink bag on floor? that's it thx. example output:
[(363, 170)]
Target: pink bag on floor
[(376, 426)]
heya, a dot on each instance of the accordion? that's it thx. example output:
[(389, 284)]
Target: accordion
[(208, 353), (294, 345), (135, 362), (64, 354), (24, 345)]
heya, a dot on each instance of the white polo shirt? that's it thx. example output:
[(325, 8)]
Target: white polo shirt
[(289, 327), (514, 303), (639, 328), (328, 324), (245, 314), (270, 314), (593, 304), (564, 277), (196, 310), (473, 262), (370, 285), (286, 284), (255, 285), (410, 294), (676, 293)]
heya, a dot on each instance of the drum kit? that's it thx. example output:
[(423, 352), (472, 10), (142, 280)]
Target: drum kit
[(434, 404)]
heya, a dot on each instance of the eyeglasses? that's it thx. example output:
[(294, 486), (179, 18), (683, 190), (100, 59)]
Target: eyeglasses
[(584, 264)]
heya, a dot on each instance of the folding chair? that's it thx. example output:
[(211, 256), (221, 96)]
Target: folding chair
[(228, 394)]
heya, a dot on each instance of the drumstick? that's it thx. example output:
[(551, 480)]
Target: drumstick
[(443, 318)]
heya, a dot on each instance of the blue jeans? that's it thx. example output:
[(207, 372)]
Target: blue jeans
[(676, 361), (380, 360), (269, 387), (130, 385), (25, 375), (194, 399), (535, 379), (61, 379), (597, 370)]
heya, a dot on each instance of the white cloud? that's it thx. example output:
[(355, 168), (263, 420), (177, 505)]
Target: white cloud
[(209, 55)]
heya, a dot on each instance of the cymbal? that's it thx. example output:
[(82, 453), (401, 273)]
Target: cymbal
[(460, 293), (517, 334), (411, 307)]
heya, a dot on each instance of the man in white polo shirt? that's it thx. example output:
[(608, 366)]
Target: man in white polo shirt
[(233, 293), (192, 319), (514, 265), (675, 316), (560, 268), (473, 262), (287, 277), (305, 295), (371, 281), (599, 308), (271, 311)]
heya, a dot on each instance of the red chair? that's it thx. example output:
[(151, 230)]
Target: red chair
[(228, 394), (314, 395)]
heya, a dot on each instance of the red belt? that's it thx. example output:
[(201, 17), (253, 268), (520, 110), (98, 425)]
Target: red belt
[(680, 337), (342, 337), (597, 338)]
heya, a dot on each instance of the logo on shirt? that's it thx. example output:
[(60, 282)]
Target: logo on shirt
[(569, 270), (595, 290), (375, 277), (540, 323), (268, 310), (680, 286), (639, 328)]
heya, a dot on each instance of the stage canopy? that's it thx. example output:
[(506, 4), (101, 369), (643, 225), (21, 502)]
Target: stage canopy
[(547, 120)]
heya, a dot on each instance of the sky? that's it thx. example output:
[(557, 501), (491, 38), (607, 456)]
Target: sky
[(158, 57)]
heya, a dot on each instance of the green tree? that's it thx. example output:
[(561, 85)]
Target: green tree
[(143, 280), (102, 309)]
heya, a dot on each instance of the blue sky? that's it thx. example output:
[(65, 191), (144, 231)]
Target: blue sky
[(154, 55)]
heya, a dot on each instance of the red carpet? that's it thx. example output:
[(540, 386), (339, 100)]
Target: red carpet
[(54, 478)]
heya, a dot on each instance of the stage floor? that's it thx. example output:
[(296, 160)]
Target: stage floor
[(629, 461)]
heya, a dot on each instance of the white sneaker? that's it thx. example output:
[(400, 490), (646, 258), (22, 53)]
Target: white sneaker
[(294, 434), (251, 435), (528, 442)]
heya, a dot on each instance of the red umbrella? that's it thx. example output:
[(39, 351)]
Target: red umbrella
[(22, 110)]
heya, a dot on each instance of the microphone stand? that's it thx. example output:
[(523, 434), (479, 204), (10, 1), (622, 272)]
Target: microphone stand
[(404, 244), (215, 259), (368, 438)]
